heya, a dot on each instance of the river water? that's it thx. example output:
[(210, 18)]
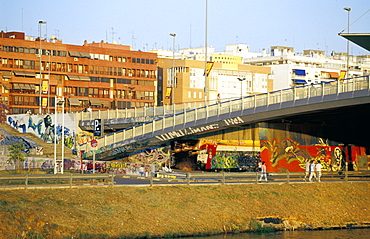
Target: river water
[(314, 234)]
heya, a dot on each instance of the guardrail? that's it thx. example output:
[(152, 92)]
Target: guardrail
[(253, 177), (58, 179), (76, 180)]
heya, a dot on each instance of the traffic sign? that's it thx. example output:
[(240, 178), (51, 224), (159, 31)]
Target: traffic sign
[(94, 143), (97, 127)]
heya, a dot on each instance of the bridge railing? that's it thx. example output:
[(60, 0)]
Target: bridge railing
[(327, 88), (180, 115)]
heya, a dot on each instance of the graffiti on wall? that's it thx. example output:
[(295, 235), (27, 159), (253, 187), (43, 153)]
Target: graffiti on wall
[(229, 154), (288, 154), (157, 156), (30, 145), (44, 127)]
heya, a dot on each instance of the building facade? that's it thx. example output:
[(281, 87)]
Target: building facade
[(290, 69), (226, 80), (96, 76)]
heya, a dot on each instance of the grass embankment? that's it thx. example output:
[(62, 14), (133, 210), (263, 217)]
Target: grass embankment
[(122, 212)]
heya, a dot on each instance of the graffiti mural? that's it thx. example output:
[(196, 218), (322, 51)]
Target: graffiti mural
[(131, 168), (44, 127), (229, 154), (30, 145), (157, 156), (290, 155)]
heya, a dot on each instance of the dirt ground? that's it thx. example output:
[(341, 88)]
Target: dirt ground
[(164, 211)]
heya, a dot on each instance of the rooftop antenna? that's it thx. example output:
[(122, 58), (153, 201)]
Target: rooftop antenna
[(22, 19), (133, 40), (57, 33), (190, 36), (113, 34)]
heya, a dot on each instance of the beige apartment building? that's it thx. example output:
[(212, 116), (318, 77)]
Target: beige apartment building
[(228, 78)]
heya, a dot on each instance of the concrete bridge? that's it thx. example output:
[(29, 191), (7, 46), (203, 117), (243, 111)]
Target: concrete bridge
[(343, 104)]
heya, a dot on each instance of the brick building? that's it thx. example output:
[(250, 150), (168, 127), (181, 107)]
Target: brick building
[(96, 75)]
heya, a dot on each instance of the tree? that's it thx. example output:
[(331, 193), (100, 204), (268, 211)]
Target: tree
[(16, 155)]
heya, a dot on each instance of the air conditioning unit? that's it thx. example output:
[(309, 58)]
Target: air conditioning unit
[(75, 59)]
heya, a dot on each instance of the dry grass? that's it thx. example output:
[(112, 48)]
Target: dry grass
[(124, 212)]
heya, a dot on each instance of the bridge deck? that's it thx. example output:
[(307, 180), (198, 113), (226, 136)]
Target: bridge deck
[(184, 121)]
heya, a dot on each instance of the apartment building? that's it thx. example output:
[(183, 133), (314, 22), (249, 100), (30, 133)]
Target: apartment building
[(290, 69), (95, 76), (227, 79)]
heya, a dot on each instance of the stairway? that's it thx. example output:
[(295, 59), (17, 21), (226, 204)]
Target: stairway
[(48, 148)]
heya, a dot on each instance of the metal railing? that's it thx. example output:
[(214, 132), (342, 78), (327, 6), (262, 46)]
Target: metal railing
[(177, 116), (29, 180), (253, 177)]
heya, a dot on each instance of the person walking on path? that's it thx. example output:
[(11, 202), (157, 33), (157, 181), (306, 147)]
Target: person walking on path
[(312, 171), (307, 173), (318, 170), (263, 172)]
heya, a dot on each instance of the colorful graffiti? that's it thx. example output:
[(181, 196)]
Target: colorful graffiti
[(8, 139), (158, 156), (130, 168), (229, 154), (225, 160), (44, 128), (290, 155)]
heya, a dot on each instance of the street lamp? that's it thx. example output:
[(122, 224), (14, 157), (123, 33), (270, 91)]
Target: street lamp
[(49, 66), (348, 10), (40, 55), (58, 102), (241, 86), (173, 68), (205, 56)]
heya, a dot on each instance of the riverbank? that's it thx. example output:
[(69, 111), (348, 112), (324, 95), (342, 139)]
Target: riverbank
[(164, 211)]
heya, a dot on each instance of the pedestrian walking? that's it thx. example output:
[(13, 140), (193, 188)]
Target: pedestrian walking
[(307, 173), (312, 171), (318, 170), (263, 171)]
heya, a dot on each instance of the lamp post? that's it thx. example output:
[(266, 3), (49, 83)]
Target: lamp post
[(40, 55), (241, 86), (48, 53), (205, 56), (173, 68), (58, 101), (348, 10)]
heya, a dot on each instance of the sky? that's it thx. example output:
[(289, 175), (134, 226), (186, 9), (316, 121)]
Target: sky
[(146, 24)]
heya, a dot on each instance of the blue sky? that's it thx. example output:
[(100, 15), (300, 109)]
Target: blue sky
[(146, 24)]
